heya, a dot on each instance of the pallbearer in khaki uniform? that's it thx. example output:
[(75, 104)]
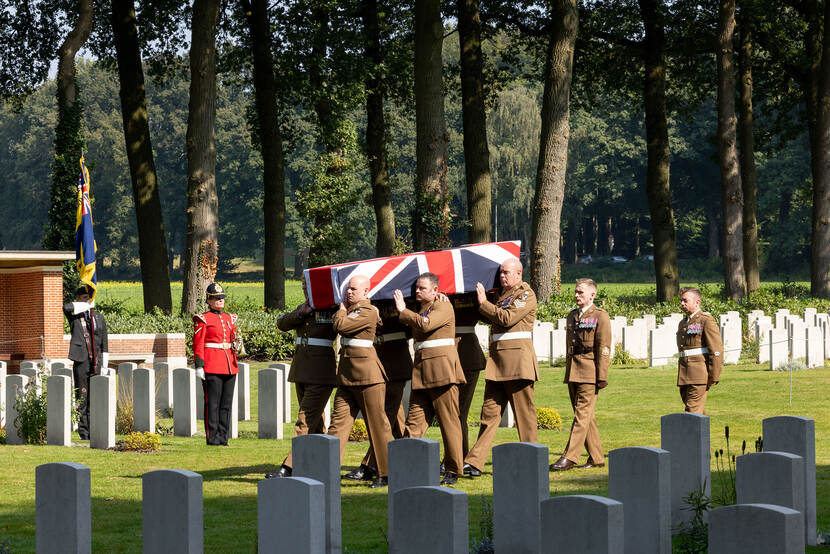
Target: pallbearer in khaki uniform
[(511, 368), (470, 354), (361, 379), (700, 348), (313, 369), (437, 371), (588, 340), (392, 346)]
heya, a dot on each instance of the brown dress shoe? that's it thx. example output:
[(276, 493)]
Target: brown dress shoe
[(562, 464), (590, 463)]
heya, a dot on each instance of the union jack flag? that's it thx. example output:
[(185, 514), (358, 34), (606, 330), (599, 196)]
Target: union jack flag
[(84, 238), (458, 269)]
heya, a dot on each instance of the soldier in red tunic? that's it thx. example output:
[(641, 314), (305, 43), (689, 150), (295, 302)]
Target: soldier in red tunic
[(214, 353)]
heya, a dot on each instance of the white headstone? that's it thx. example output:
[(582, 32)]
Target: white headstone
[(635, 339), (2, 394), (662, 346), (781, 318), (815, 347), (58, 411), (798, 339), (101, 412), (779, 350), (15, 386), (542, 340), (164, 385), (651, 321), (731, 335), (762, 326), (144, 399), (562, 323), (243, 389), (810, 316)]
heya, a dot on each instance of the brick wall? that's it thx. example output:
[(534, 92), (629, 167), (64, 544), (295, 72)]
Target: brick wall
[(163, 345), (30, 304)]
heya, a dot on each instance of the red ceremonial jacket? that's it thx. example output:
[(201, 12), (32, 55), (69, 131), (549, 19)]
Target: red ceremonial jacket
[(213, 338)]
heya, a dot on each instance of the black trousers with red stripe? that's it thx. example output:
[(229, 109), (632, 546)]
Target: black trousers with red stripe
[(219, 391)]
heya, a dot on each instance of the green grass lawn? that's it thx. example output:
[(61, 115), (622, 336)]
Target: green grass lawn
[(628, 413)]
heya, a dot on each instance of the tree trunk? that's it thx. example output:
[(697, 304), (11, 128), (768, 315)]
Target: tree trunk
[(476, 151), (152, 242), (730, 176), (553, 150), (714, 232), (658, 188), (202, 199), (820, 259), (747, 152), (376, 132), (432, 218), (270, 143), (69, 137)]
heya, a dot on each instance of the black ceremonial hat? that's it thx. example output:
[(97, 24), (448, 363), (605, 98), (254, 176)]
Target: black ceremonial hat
[(215, 290)]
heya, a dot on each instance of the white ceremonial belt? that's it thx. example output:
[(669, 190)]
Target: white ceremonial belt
[(693, 352), (311, 341), (510, 336), (220, 345), (434, 343), (389, 337), (357, 342), (465, 330)]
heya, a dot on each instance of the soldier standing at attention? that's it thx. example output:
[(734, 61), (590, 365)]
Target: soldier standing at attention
[(361, 379), (588, 339), (393, 351), (214, 353), (471, 357), (511, 368), (437, 371), (313, 369), (88, 350), (699, 345)]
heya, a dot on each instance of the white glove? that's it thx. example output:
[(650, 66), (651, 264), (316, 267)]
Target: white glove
[(81, 307), (200, 373)]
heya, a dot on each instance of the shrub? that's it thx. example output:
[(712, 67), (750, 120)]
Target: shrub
[(692, 537), (142, 441), (358, 432), (794, 365), (124, 424), (548, 418), (31, 411), (2, 436), (621, 357)]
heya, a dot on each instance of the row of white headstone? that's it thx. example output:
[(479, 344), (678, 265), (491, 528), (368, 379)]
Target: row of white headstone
[(162, 389), (775, 490)]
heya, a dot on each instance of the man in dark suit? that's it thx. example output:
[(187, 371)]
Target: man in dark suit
[(87, 349)]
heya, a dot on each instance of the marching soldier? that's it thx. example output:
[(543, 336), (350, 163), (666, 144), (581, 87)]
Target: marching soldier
[(313, 369), (392, 347), (700, 346), (471, 357), (214, 351), (437, 371), (588, 340), (88, 349), (361, 379), (511, 369)]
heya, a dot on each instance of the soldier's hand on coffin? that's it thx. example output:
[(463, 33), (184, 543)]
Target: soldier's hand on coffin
[(481, 293), (399, 301)]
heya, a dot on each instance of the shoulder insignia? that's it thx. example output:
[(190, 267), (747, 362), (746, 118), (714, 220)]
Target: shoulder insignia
[(606, 351), (717, 354), (354, 314), (199, 317), (520, 303)]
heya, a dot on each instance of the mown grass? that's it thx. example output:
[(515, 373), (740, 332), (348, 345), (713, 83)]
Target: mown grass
[(628, 410)]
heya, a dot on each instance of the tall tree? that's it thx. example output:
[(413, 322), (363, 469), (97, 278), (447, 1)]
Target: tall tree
[(270, 145), (376, 138), (432, 213), (476, 150), (152, 243), (658, 189), (820, 258), (731, 194), (202, 199), (69, 135), (747, 150), (553, 150)]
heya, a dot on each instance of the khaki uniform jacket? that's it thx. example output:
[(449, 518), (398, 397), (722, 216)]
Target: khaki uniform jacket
[(394, 355), (699, 331), (312, 365), (359, 365), (513, 311), (588, 339), (435, 366), (469, 350)]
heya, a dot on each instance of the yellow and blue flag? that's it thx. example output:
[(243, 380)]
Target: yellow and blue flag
[(85, 246)]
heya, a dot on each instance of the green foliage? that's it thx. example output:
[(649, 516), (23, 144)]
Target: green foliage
[(31, 411), (3, 436), (692, 537), (548, 418), (621, 357), (124, 422), (484, 543), (359, 431), (164, 430), (142, 441)]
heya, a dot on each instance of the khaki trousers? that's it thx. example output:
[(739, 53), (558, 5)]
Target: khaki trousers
[(497, 394), (694, 397), (395, 415), (311, 400), (465, 400), (369, 399), (424, 405), (584, 430)]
